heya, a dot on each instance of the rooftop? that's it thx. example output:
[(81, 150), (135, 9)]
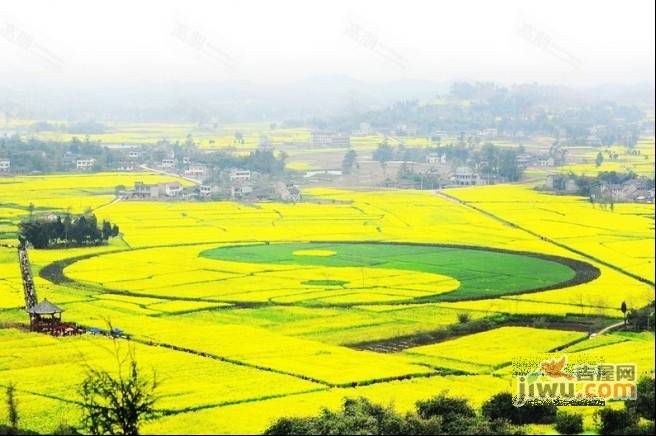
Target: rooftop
[(44, 308)]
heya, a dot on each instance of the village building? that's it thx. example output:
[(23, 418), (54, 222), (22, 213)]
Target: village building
[(241, 191), (126, 166), (239, 175), (85, 164), (465, 176), (159, 190), (207, 190), (197, 171), (168, 163), (5, 165), (287, 191), (562, 183), (524, 159), (329, 139), (315, 173), (546, 162), (436, 159)]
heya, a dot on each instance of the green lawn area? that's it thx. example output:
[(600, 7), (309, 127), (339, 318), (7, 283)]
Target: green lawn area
[(481, 273)]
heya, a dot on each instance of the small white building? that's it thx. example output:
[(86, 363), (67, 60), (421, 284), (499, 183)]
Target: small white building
[(199, 171), (168, 163), (239, 175), (241, 190), (126, 166), (84, 164), (465, 176), (171, 189), (436, 159), (133, 154), (206, 190), (5, 165)]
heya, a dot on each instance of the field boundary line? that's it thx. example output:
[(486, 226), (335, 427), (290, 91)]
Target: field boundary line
[(544, 238)]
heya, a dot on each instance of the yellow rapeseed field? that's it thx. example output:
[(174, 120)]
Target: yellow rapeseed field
[(247, 342)]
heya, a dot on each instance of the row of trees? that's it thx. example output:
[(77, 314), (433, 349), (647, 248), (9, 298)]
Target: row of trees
[(491, 161), (450, 416), (71, 230), (513, 111)]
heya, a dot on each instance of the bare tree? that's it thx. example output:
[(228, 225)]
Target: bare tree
[(117, 403)]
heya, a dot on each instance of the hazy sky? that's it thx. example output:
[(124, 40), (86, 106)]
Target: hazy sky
[(572, 42)]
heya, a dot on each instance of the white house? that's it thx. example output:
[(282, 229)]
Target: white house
[(209, 189), (171, 189), (5, 165), (168, 163), (84, 164), (435, 159), (240, 175), (196, 170), (466, 176)]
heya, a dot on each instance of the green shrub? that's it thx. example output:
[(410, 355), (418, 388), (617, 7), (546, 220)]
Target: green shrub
[(643, 405), (569, 423), (501, 406), (614, 422), (464, 317)]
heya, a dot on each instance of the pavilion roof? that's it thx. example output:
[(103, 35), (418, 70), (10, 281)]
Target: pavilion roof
[(45, 307)]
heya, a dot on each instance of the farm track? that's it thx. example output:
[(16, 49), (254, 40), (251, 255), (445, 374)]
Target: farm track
[(544, 238), (401, 343)]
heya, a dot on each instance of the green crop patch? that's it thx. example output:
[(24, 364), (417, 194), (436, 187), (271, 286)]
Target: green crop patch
[(482, 273)]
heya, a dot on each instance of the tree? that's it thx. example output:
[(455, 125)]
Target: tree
[(239, 137), (501, 406), (599, 160), (12, 408), (643, 406), (611, 421), (383, 154), (106, 230), (117, 403), (349, 161), (439, 415)]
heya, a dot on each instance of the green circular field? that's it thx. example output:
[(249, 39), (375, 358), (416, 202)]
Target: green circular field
[(481, 273)]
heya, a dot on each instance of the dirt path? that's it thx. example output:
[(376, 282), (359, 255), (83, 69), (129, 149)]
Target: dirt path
[(164, 173), (609, 328)]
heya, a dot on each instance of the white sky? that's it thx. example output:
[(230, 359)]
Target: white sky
[(570, 42)]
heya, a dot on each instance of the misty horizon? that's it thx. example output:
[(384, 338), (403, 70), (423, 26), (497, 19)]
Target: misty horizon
[(556, 43)]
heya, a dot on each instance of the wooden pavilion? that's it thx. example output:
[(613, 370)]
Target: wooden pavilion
[(46, 317)]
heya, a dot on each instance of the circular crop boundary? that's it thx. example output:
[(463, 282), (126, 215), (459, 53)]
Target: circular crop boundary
[(583, 273)]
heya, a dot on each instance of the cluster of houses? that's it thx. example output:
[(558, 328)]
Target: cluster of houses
[(633, 191), (235, 184), (638, 190)]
